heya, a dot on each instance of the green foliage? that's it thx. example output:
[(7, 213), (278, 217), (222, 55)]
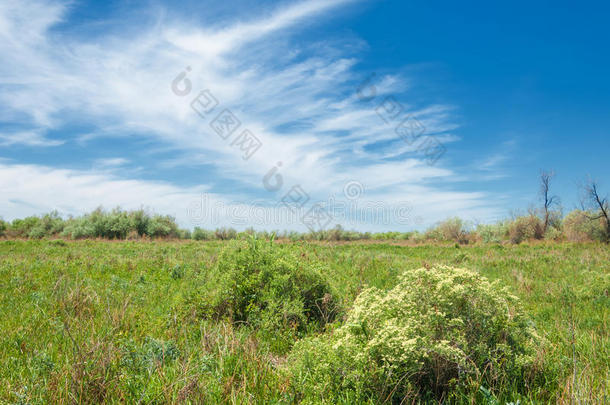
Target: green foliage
[(79, 319), (202, 234), (261, 285), (493, 233), (133, 225), (145, 356), (21, 227), (118, 224), (439, 331), (160, 226), (554, 233), (49, 224), (387, 235)]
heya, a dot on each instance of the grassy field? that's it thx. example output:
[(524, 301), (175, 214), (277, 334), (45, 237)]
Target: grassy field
[(93, 321)]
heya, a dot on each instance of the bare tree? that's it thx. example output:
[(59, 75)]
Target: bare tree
[(599, 205), (548, 200)]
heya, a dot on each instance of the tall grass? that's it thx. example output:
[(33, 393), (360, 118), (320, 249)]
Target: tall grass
[(90, 322)]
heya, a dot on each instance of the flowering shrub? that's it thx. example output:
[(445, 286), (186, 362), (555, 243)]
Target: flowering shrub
[(440, 331)]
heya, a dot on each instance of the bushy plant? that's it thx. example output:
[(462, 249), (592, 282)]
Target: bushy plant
[(452, 229), (3, 227), (295, 236), (440, 332), (578, 227), (119, 224), (525, 228), (21, 227), (79, 228), (554, 233), (493, 233), (184, 234), (202, 234), (48, 225), (162, 226), (225, 233), (141, 221), (259, 284)]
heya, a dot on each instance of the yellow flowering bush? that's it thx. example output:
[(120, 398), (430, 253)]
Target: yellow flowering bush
[(439, 331)]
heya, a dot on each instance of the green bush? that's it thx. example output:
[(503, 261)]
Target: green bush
[(493, 233), (554, 233), (119, 224), (21, 227), (48, 225), (3, 227), (79, 228), (160, 226), (440, 333), (202, 234), (261, 285)]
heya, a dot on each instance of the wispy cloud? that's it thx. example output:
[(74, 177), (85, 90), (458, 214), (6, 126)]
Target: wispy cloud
[(110, 162), (28, 138), (298, 99)]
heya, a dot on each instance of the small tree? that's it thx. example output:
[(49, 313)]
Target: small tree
[(549, 201), (599, 205)]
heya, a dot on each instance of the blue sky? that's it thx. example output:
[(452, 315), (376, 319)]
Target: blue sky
[(88, 116)]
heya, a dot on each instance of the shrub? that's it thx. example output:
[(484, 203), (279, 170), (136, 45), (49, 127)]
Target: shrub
[(184, 234), (554, 233), (259, 284), (3, 226), (22, 227), (525, 228), (48, 225), (225, 233), (202, 234), (118, 224), (493, 233), (160, 226), (295, 236), (578, 227), (79, 229), (112, 225), (140, 221), (439, 332), (452, 229)]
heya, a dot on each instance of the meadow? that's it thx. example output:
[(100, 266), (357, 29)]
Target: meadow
[(111, 321)]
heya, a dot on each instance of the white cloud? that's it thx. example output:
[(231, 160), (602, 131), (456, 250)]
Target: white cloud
[(110, 162), (121, 85), (35, 189), (29, 138)]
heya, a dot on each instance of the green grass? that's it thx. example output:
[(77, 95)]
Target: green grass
[(92, 321)]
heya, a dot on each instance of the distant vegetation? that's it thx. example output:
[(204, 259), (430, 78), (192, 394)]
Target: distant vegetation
[(547, 222), (576, 226)]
